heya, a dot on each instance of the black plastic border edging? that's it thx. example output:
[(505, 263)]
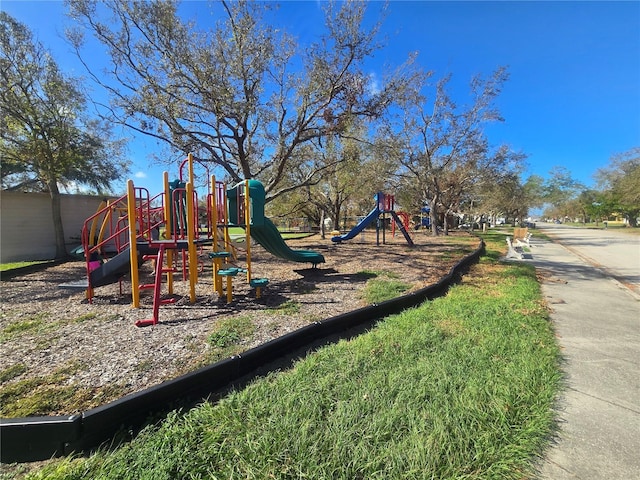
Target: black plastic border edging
[(40, 438)]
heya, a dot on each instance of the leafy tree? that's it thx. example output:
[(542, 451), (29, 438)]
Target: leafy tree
[(446, 150), (508, 196), (560, 187), (350, 187), (594, 205), (469, 181), (620, 180), (560, 194), (45, 139), (534, 191), (332, 195), (243, 95)]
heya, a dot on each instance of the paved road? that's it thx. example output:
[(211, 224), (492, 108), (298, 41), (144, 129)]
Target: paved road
[(613, 251), (592, 283)]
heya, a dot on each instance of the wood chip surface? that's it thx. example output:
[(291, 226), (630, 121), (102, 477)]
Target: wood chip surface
[(99, 345)]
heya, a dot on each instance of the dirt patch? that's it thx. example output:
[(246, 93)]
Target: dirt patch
[(49, 331)]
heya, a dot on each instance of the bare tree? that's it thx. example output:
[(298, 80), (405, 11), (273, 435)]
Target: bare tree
[(242, 94), (508, 196), (446, 150)]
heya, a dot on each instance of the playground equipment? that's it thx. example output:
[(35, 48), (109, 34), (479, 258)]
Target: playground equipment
[(425, 217), (242, 203), (384, 204), (133, 224), (245, 203), (405, 220), (166, 229)]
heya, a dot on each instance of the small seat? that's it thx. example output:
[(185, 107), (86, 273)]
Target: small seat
[(219, 254), (258, 283), (229, 272), (218, 257)]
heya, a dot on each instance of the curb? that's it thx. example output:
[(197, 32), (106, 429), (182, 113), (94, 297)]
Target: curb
[(40, 438)]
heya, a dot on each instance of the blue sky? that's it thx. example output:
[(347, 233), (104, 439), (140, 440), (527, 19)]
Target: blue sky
[(572, 100)]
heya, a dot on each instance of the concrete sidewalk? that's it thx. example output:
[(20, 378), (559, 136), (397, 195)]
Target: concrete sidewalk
[(597, 320)]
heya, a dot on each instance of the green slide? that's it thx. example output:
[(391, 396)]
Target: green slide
[(263, 230), (269, 237)]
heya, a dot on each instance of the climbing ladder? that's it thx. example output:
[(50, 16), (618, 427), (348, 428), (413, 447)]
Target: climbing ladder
[(386, 204), (157, 284)]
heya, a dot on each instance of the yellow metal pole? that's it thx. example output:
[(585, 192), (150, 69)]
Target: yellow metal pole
[(190, 163), (247, 221), (105, 222), (193, 225), (214, 230), (193, 259), (229, 289), (133, 250), (92, 231), (168, 204)]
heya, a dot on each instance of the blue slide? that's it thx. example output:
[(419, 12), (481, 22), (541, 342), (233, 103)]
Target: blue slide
[(362, 224)]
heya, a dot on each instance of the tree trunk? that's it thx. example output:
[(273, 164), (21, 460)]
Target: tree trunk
[(433, 215), (336, 215), (56, 215), (322, 232)]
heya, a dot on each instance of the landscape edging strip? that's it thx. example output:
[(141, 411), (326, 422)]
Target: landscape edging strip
[(31, 439)]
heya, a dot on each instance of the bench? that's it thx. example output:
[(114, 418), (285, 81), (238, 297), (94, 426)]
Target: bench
[(520, 233), (525, 241), (514, 251)]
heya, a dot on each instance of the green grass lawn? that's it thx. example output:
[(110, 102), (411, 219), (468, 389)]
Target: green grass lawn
[(4, 267), (459, 388), (382, 286)]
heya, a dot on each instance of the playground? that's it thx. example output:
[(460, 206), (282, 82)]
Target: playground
[(56, 339), (168, 282)]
